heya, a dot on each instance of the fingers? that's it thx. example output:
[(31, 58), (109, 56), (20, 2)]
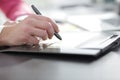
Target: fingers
[(27, 31), (27, 39), (46, 19), (43, 26), (56, 29), (39, 33), (32, 40)]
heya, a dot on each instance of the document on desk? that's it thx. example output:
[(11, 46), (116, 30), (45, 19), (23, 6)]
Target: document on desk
[(73, 43), (96, 22)]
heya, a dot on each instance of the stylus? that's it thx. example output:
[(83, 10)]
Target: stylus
[(38, 13)]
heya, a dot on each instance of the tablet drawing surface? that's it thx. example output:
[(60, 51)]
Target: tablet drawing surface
[(75, 43)]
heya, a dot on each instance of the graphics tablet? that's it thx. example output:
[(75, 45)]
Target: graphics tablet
[(73, 43)]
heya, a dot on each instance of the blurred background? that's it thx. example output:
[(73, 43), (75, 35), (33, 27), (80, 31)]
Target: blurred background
[(60, 9)]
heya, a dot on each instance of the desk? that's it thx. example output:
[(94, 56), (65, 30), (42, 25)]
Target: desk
[(37, 67), (15, 67)]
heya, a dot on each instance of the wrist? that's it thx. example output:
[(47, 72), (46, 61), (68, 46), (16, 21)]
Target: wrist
[(3, 39), (20, 18)]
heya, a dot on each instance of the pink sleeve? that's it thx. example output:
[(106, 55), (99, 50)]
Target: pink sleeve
[(14, 8)]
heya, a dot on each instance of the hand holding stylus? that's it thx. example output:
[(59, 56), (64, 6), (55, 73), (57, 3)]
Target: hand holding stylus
[(38, 13)]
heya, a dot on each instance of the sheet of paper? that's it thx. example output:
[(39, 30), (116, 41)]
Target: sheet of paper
[(93, 22)]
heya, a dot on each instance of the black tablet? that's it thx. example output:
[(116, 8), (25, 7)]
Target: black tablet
[(72, 43)]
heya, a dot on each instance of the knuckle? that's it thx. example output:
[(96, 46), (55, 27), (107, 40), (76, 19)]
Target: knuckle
[(48, 26), (25, 38), (36, 41), (44, 35), (28, 21), (26, 29)]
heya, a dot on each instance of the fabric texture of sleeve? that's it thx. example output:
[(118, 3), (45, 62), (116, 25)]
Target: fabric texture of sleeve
[(14, 8)]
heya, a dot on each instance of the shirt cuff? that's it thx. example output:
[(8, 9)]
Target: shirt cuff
[(20, 18), (17, 20)]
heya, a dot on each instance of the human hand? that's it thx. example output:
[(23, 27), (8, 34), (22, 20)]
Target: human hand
[(27, 31)]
